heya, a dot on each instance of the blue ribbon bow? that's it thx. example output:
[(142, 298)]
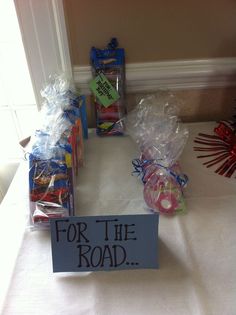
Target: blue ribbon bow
[(140, 168)]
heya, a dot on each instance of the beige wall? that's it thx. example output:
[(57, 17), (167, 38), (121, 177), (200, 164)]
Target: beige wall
[(196, 105), (153, 30)]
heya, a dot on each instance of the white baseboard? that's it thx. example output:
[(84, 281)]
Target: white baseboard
[(176, 74)]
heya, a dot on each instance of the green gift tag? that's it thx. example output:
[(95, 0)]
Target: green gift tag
[(103, 90)]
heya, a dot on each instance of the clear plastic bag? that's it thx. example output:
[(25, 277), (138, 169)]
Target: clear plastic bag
[(56, 152), (155, 127), (163, 189), (110, 62), (50, 190)]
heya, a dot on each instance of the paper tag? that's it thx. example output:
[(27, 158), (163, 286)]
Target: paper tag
[(98, 243), (103, 90)]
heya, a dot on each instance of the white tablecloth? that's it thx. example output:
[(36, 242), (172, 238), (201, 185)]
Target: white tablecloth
[(197, 272)]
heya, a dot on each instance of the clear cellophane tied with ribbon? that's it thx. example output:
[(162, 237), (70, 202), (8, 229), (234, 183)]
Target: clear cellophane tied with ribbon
[(155, 127), (56, 152)]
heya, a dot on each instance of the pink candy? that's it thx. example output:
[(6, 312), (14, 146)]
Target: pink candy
[(162, 193)]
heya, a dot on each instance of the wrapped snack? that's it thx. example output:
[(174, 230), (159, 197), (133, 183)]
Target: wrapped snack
[(155, 127), (163, 190), (56, 153), (108, 67), (50, 191)]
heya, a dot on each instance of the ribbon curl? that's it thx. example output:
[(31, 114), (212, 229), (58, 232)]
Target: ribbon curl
[(141, 166)]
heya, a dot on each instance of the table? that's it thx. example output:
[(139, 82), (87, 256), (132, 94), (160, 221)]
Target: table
[(197, 274)]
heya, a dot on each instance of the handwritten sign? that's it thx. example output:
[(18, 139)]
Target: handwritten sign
[(103, 90), (104, 243)]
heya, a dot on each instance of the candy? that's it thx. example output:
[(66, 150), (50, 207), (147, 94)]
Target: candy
[(155, 127), (162, 193)]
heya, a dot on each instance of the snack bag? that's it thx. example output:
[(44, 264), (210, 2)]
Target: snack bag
[(155, 127), (108, 87), (56, 152), (50, 190)]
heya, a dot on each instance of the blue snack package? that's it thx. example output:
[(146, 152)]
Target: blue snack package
[(111, 63)]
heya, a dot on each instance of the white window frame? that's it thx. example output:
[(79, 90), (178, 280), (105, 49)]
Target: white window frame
[(44, 35)]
